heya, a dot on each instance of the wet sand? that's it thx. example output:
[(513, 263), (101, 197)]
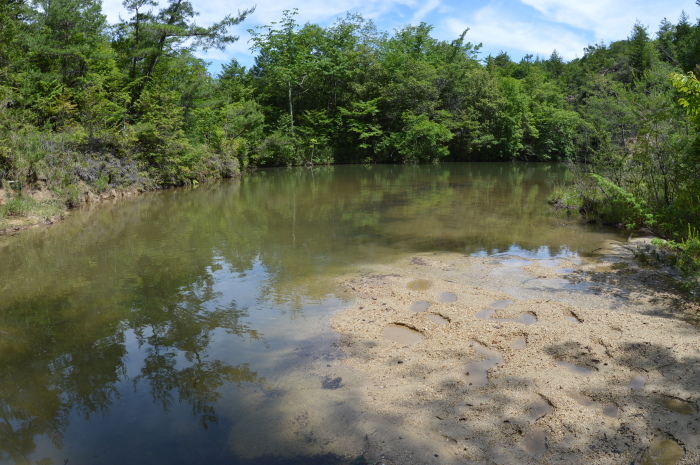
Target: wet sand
[(504, 360)]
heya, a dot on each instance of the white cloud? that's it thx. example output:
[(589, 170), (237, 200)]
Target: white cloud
[(610, 20), (422, 12), (528, 26), (321, 12), (498, 30)]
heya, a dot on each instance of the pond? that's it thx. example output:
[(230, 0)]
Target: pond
[(192, 326)]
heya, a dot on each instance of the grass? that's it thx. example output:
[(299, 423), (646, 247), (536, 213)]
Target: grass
[(21, 210)]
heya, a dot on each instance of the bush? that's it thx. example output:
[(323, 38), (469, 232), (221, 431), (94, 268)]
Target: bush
[(684, 255), (617, 206)]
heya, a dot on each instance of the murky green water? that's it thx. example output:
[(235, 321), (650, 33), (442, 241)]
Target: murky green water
[(180, 327)]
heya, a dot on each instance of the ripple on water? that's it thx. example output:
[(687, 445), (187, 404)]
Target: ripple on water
[(448, 297), (402, 335), (419, 285), (419, 306)]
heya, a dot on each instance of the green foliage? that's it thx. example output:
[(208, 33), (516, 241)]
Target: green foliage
[(89, 106), (93, 108), (617, 206), (643, 54), (422, 139), (15, 206), (147, 39), (689, 88), (688, 255), (684, 255)]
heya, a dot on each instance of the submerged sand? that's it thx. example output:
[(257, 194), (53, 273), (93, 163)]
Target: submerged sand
[(504, 360)]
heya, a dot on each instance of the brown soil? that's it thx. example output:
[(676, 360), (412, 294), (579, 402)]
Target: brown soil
[(610, 371)]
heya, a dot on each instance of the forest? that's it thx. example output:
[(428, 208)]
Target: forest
[(90, 106)]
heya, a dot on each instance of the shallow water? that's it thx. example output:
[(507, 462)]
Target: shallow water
[(419, 285), (190, 326), (476, 373), (437, 319), (448, 297), (677, 405), (402, 335), (638, 382), (500, 304), (608, 410), (536, 441), (419, 306), (662, 452)]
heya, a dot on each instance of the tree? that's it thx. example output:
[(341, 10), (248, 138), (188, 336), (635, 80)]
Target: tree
[(689, 87), (642, 51), (555, 64), (13, 13), (288, 57), (147, 38), (69, 33)]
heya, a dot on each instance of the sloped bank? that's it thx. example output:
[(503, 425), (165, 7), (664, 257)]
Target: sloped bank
[(511, 360), (43, 208)]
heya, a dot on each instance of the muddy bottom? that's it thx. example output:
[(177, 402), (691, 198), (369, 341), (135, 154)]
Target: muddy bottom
[(602, 369)]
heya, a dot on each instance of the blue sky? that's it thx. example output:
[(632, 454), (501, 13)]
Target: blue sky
[(518, 27)]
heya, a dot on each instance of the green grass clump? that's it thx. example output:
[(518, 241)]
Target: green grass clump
[(20, 209)]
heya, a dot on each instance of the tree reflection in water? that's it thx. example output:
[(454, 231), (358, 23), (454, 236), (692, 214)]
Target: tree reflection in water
[(54, 367), (146, 296)]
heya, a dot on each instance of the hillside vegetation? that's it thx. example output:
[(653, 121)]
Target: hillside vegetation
[(90, 106)]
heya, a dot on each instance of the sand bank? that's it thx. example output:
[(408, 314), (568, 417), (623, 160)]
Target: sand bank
[(504, 360)]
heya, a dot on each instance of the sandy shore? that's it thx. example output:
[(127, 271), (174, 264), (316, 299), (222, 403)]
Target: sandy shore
[(505, 360)]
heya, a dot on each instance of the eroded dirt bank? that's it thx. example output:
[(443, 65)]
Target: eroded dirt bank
[(509, 360)]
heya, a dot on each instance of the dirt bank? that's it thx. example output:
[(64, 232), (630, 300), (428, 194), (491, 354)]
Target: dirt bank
[(504, 360), (44, 208)]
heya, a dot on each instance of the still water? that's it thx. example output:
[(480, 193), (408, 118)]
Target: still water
[(185, 326)]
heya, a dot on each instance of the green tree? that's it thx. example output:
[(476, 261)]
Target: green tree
[(68, 34), (287, 60), (147, 38), (13, 14), (555, 64), (643, 54)]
